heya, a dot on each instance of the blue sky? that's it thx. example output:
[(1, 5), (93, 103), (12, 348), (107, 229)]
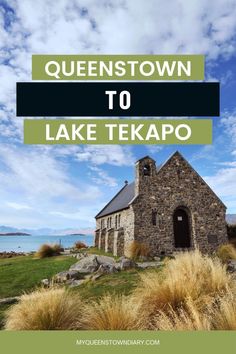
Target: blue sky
[(65, 186)]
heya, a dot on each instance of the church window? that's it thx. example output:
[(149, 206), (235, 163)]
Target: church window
[(154, 217), (119, 220), (146, 170)]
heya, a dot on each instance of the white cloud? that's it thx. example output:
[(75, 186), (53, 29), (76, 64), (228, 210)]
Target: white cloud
[(111, 154), (115, 27), (223, 182), (17, 206), (228, 122), (40, 175), (87, 213), (154, 149), (228, 163), (102, 177)]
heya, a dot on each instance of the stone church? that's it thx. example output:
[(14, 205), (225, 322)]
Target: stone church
[(169, 208)]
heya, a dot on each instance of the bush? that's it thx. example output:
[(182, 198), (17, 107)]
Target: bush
[(46, 309), (78, 245), (190, 275), (48, 251), (137, 250), (226, 252), (112, 312), (231, 231)]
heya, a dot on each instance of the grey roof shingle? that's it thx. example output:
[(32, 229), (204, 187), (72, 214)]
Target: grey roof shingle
[(120, 201)]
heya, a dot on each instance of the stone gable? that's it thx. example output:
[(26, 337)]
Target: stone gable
[(173, 209)]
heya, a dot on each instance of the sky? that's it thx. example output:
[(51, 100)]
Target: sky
[(65, 186)]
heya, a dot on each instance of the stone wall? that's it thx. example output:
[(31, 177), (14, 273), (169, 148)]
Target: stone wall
[(110, 240), (97, 236), (117, 238), (178, 185)]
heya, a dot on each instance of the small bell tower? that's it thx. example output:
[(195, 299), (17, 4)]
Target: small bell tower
[(145, 174)]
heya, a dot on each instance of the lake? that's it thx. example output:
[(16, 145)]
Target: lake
[(32, 243)]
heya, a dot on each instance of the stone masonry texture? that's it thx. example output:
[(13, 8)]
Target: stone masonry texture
[(176, 185)]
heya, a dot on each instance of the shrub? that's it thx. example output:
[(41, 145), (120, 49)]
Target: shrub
[(112, 312), (78, 245), (46, 309), (190, 275), (48, 251), (137, 250), (226, 252), (58, 248), (231, 230)]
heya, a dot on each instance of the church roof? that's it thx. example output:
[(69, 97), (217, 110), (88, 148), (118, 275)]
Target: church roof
[(120, 201)]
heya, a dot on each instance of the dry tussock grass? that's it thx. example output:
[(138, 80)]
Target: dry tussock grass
[(223, 313), (190, 275), (226, 252), (192, 292), (46, 309), (47, 250), (220, 314), (112, 312), (137, 250), (79, 245)]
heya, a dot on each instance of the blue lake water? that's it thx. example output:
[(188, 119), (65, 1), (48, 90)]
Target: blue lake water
[(32, 243)]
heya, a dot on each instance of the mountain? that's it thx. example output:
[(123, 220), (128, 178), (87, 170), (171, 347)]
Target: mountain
[(46, 231), (7, 229), (14, 234), (231, 218)]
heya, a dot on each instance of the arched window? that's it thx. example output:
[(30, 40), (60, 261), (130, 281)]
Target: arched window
[(116, 222), (146, 170), (119, 220), (154, 217)]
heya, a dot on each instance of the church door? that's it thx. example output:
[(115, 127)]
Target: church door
[(181, 229)]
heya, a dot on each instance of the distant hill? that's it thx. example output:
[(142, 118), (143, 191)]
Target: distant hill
[(46, 231), (14, 234), (231, 218)]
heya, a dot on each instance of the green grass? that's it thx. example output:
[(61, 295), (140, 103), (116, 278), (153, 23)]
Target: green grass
[(119, 283), (21, 274), (94, 250)]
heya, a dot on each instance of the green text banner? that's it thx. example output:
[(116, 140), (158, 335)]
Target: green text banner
[(118, 131), (118, 67), (109, 342)]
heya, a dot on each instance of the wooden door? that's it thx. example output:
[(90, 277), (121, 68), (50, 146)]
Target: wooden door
[(181, 229)]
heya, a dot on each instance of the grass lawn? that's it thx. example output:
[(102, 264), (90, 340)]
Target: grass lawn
[(119, 283), (21, 274), (94, 250)]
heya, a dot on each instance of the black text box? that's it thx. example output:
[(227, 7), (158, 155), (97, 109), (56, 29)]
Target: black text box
[(89, 99)]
